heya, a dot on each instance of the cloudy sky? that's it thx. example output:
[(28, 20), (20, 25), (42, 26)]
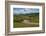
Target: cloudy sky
[(25, 10)]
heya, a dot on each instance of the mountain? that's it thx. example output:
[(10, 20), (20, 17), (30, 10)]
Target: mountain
[(27, 14)]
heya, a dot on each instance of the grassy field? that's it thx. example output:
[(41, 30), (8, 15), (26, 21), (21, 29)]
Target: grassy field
[(31, 18)]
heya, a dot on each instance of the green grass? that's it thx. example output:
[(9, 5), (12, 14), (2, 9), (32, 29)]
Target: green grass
[(33, 18), (24, 25)]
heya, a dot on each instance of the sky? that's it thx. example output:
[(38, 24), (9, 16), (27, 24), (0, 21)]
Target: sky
[(25, 10)]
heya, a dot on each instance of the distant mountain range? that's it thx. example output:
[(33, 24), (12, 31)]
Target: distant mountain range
[(28, 14)]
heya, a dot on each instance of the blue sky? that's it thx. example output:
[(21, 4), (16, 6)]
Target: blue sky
[(25, 10)]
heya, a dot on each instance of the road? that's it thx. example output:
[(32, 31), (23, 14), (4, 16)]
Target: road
[(28, 22)]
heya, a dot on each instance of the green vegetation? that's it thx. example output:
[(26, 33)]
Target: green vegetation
[(32, 18)]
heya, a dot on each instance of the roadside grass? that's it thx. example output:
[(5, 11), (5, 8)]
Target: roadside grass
[(20, 25)]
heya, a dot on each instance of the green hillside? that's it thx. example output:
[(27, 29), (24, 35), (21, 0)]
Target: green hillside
[(32, 17)]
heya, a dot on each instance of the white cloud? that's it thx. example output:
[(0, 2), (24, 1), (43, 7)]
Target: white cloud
[(25, 10)]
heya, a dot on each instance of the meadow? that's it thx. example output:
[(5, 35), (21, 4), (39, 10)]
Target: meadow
[(26, 20)]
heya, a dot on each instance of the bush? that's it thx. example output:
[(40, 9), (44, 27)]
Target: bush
[(18, 19)]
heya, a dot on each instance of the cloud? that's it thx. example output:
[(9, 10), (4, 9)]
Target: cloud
[(25, 10)]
